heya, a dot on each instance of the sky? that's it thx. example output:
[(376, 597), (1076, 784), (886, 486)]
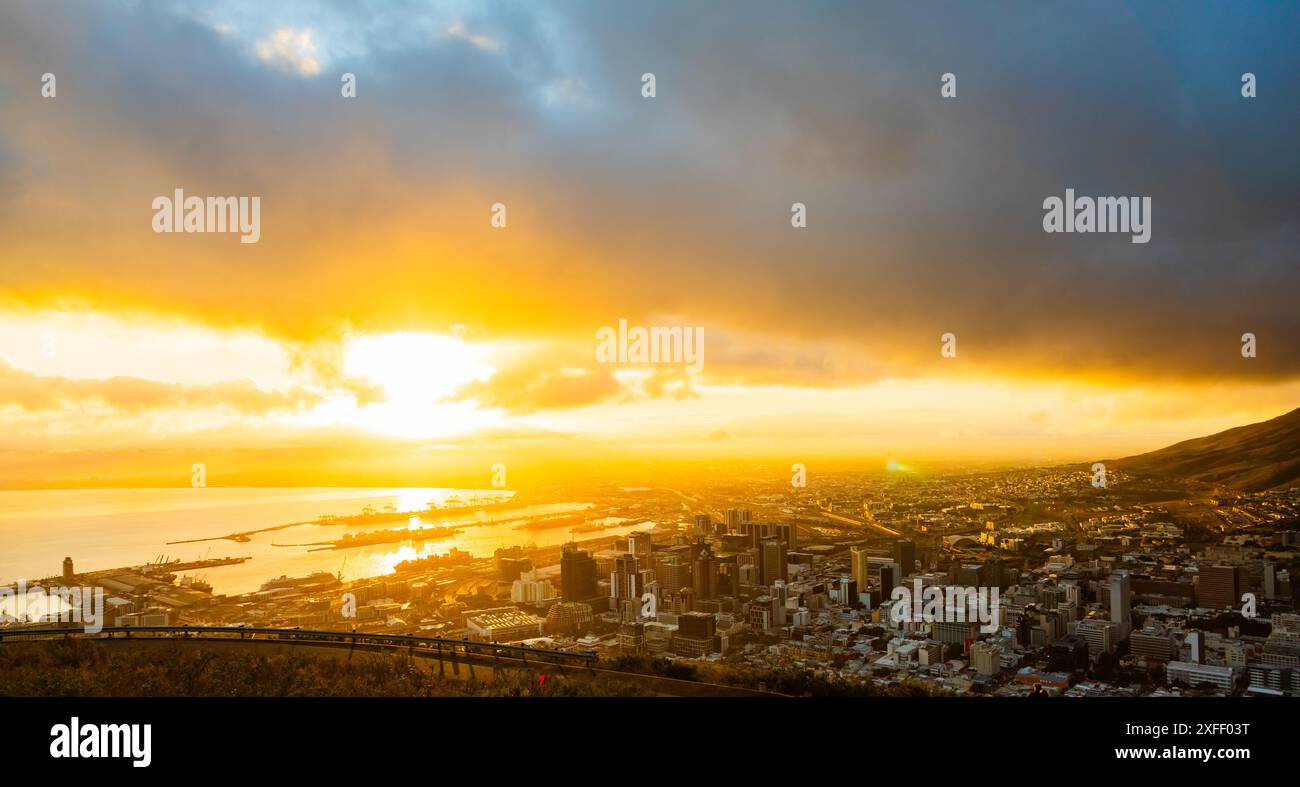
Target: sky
[(383, 331)]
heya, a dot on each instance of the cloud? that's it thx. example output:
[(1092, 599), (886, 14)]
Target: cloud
[(457, 31), (924, 214), (291, 49), (32, 393)]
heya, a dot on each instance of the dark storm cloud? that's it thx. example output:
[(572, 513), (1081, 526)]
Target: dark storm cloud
[(924, 213)]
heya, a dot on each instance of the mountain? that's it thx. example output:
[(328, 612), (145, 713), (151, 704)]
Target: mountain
[(1248, 458)]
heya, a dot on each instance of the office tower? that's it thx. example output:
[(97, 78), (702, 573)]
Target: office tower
[(905, 557), (759, 614), (675, 573), (696, 624), (1120, 601), (528, 589), (638, 543), (1221, 586), (1270, 580), (971, 575), (888, 581), (994, 573), (780, 592), (631, 637), (684, 600), (772, 561), (702, 525), (788, 533), (695, 632), (985, 658), (577, 574), (628, 581), (705, 577), (728, 574), (1101, 635), (1152, 642), (1196, 645), (859, 565), (847, 590), (731, 517)]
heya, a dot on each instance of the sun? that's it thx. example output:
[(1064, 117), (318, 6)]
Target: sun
[(418, 373)]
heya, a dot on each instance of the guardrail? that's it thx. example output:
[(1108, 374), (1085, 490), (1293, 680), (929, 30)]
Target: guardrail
[(434, 646)]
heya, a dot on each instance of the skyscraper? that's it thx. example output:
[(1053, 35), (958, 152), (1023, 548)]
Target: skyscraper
[(780, 592), (1220, 586), (676, 573), (628, 581), (888, 581), (1120, 601), (705, 575), (577, 574), (772, 561), (905, 556), (638, 543), (859, 567)]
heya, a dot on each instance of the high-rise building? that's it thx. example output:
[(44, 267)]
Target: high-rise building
[(631, 638), (638, 543), (859, 567), (1195, 647), (1220, 586), (1121, 601), (847, 591), (731, 518), (971, 575), (995, 573), (780, 592), (68, 573), (695, 633), (577, 574), (772, 561), (1153, 642), (702, 525), (759, 614), (985, 658), (705, 575), (905, 556), (528, 589), (888, 580), (676, 573), (629, 580), (1270, 580), (1101, 635)]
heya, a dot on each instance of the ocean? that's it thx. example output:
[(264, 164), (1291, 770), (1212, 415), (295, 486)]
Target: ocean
[(111, 528)]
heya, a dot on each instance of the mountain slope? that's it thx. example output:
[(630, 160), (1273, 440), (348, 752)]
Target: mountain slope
[(1249, 458)]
